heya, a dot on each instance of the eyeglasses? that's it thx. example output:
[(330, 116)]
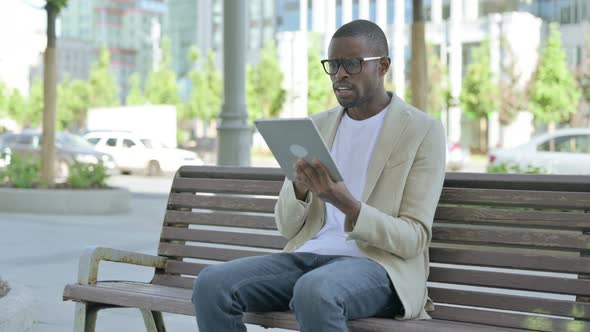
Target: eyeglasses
[(352, 66)]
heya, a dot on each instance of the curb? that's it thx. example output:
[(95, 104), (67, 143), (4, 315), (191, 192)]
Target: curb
[(65, 201), (16, 309)]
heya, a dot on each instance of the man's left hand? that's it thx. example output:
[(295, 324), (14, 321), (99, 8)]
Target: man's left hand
[(316, 177)]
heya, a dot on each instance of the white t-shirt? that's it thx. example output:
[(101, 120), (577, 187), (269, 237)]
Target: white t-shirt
[(352, 150)]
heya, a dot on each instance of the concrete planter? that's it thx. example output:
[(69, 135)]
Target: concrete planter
[(16, 309), (65, 201)]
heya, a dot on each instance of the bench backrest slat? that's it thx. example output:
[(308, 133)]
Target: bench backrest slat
[(494, 237)]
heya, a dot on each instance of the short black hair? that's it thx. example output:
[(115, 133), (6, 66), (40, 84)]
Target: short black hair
[(363, 28)]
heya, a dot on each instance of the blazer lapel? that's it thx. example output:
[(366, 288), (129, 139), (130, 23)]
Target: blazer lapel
[(393, 126)]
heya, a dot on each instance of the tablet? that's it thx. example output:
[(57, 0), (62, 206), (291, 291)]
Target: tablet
[(292, 139)]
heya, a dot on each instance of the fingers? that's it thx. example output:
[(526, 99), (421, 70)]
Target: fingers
[(323, 171)]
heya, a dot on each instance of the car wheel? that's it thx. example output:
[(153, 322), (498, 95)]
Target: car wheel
[(153, 168), (62, 171)]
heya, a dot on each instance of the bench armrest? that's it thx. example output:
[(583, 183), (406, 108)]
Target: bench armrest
[(88, 266)]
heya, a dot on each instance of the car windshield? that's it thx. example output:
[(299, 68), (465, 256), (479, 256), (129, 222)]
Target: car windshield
[(73, 141)]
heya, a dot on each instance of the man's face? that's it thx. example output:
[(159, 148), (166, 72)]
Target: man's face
[(354, 90)]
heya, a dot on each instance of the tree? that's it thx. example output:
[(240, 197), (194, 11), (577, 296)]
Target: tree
[(161, 86), (583, 71), (479, 96), (264, 94), (72, 104), (418, 62), (135, 96), (52, 7), (103, 89), (320, 95), (438, 84), (207, 91), (553, 95)]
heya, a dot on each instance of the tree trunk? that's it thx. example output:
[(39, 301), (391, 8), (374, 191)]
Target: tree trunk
[(418, 75), (49, 100)]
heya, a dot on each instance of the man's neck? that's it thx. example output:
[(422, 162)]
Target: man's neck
[(371, 108)]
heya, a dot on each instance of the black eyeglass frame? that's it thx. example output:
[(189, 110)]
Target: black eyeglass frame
[(340, 62)]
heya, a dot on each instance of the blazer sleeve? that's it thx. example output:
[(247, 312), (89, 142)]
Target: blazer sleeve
[(408, 235), (290, 213)]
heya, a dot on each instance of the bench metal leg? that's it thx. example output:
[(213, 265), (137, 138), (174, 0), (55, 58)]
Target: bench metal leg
[(154, 322), (85, 317)]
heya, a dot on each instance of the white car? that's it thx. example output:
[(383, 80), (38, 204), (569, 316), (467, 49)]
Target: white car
[(565, 151), (140, 154)]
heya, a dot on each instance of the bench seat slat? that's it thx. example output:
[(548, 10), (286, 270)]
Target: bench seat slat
[(520, 218), (228, 203), (517, 237), (514, 281), (232, 238), (525, 261), (510, 302), (246, 187), (173, 300), (519, 198), (503, 319), (220, 219)]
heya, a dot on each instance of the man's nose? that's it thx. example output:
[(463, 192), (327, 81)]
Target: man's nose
[(341, 73)]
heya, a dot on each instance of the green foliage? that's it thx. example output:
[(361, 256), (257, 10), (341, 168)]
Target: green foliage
[(84, 176), (479, 95), (22, 172), (264, 94), (513, 168), (161, 86), (4, 95), (583, 74), (320, 95), (554, 95), (72, 103), (438, 83), (59, 4), (103, 90), (207, 91), (135, 96)]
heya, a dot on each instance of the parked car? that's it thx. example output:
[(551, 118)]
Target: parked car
[(564, 151), (133, 153), (69, 148), (457, 156)]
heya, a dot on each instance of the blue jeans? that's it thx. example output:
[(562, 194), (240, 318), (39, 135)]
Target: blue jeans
[(323, 291)]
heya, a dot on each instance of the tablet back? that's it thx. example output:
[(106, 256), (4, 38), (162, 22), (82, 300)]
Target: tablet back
[(294, 139)]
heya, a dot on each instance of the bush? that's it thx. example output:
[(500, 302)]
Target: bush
[(87, 175), (22, 172), (512, 168)]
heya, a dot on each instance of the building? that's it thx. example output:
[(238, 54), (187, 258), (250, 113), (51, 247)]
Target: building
[(199, 23), (454, 27), (130, 29)]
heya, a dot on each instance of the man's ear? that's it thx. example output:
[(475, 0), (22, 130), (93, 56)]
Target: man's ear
[(384, 65)]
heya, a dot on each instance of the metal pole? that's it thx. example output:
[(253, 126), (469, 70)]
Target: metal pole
[(233, 132)]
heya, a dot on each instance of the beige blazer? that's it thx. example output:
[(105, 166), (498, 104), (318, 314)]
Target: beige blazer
[(402, 189)]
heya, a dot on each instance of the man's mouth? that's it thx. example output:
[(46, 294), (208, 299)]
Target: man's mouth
[(343, 91)]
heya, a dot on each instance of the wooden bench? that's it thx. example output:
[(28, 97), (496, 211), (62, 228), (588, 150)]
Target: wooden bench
[(509, 252)]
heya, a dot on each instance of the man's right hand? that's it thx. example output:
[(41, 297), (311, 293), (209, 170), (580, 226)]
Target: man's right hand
[(301, 190)]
